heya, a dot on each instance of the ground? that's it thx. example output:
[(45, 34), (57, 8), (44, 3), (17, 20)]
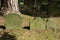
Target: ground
[(51, 33)]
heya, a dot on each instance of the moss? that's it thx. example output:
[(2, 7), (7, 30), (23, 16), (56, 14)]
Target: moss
[(38, 23), (13, 21)]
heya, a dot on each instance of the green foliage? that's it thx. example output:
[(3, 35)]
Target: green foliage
[(13, 21), (38, 23)]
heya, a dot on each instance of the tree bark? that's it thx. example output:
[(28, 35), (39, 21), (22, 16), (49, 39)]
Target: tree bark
[(13, 6), (10, 6)]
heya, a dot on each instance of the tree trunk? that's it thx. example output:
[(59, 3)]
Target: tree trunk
[(10, 6), (13, 6)]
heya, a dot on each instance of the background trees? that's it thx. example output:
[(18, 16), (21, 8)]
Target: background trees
[(29, 7)]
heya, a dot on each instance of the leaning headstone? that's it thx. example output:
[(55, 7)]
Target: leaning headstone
[(13, 21), (38, 24)]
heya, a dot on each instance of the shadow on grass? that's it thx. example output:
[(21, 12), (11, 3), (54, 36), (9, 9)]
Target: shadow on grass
[(26, 27), (7, 36)]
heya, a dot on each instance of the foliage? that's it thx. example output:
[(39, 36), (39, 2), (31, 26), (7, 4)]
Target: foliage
[(13, 21)]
